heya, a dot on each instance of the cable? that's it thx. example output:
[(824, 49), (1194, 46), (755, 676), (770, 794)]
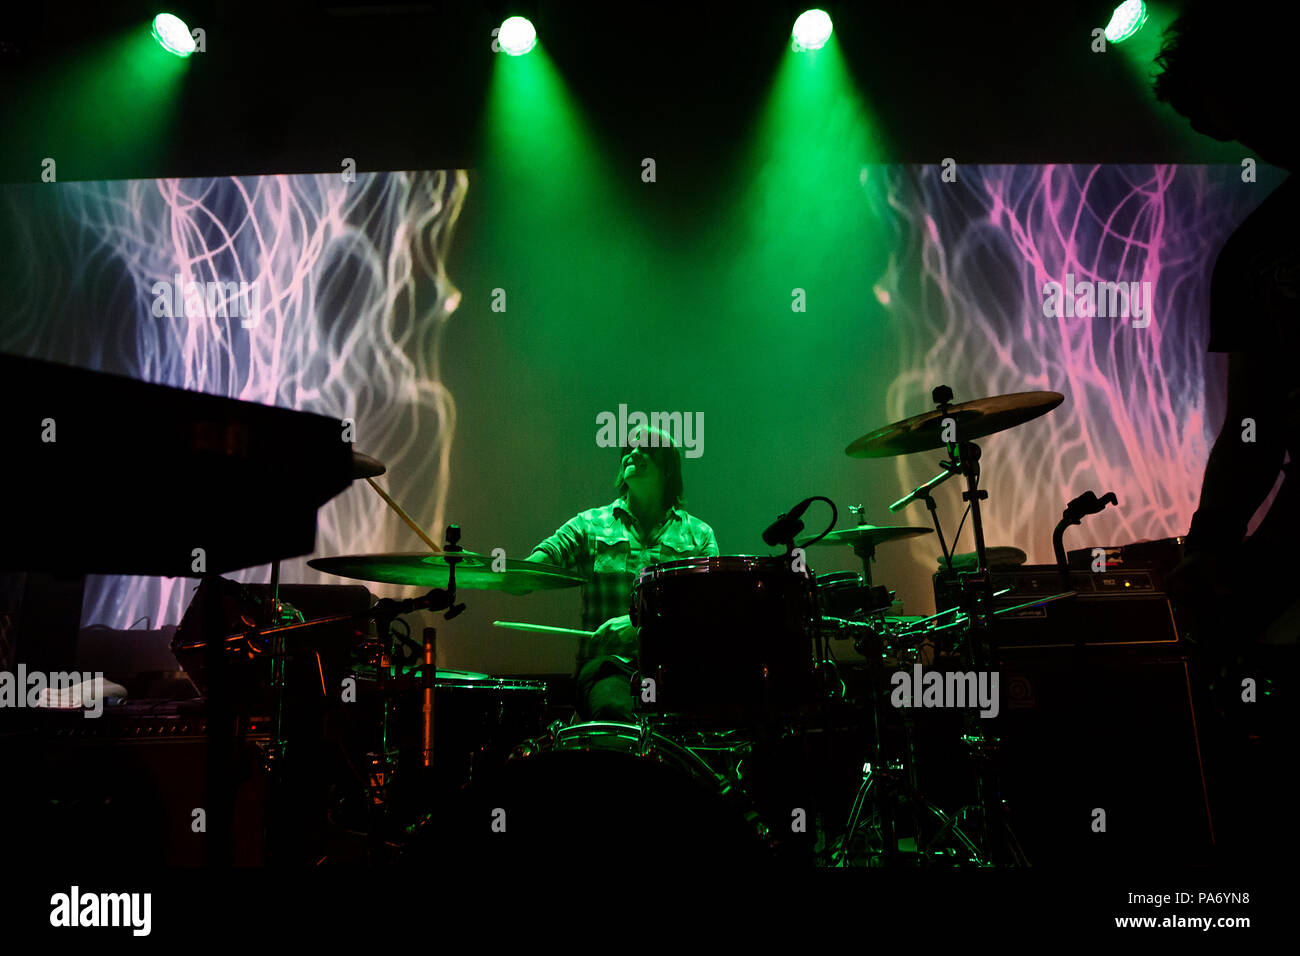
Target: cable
[(960, 524), (835, 516)]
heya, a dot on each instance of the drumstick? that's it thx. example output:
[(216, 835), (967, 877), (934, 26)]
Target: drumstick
[(542, 628), (405, 517)]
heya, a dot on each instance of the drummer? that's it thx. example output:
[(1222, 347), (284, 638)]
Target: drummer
[(608, 546)]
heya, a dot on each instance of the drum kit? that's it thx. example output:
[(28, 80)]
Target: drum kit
[(749, 741)]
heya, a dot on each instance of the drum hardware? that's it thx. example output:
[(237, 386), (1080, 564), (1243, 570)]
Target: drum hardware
[(276, 642), (672, 804), (978, 418), (363, 466), (890, 783), (954, 427), (445, 569), (851, 598), (976, 600), (274, 751), (719, 701), (383, 762), (846, 595), (865, 538)]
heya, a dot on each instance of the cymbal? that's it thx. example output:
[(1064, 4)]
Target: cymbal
[(473, 571), (975, 419), (363, 466), (870, 534), (368, 672)]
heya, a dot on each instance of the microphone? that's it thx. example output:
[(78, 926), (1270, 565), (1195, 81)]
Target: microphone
[(784, 528), (922, 490)]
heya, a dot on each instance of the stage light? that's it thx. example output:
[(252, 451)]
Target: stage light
[(172, 34), (1126, 20), (517, 36), (811, 30)]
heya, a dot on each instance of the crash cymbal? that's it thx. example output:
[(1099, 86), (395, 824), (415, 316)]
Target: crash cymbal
[(975, 419), (363, 466), (473, 571), (871, 534)]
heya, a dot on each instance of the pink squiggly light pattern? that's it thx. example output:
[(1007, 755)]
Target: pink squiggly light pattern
[(965, 286)]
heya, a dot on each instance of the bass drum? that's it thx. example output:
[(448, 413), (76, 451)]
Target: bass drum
[(610, 795)]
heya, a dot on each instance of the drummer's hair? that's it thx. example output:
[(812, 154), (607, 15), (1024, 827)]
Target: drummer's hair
[(664, 454)]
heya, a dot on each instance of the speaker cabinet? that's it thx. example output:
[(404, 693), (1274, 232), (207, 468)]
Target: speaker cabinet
[(1101, 759)]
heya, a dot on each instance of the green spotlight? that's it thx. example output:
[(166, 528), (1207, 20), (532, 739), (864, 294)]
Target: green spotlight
[(517, 36), (811, 31), (172, 34), (1126, 20)]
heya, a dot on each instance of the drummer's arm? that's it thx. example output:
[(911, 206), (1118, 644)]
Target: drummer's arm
[(710, 544), (562, 549)]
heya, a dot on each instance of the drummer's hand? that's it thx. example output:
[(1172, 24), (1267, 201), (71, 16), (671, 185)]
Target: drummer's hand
[(616, 636)]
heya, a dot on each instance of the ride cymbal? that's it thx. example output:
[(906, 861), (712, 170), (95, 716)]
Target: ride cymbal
[(975, 419)]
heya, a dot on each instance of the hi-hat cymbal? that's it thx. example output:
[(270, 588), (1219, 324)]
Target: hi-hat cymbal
[(870, 534), (473, 571), (975, 419)]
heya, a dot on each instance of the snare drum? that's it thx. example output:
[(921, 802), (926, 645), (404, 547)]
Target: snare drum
[(616, 795), (478, 721), (726, 641), (845, 594)]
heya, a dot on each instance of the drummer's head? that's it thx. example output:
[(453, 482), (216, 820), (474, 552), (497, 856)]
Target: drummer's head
[(650, 462)]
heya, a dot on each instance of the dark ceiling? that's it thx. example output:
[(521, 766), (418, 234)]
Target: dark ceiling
[(291, 87)]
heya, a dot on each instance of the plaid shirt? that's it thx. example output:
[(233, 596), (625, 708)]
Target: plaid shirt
[(603, 546)]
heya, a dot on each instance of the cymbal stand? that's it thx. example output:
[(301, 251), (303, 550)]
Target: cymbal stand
[(278, 620), (274, 752), (383, 763), (874, 778), (994, 836), (891, 782)]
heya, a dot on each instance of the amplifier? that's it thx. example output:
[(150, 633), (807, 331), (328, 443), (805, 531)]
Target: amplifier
[(1109, 608), (121, 790), (1159, 556), (1101, 758)]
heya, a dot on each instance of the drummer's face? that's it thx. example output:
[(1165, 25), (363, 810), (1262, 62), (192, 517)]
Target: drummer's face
[(640, 467)]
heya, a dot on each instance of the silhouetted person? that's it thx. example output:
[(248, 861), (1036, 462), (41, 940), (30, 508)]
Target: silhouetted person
[(1230, 70)]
